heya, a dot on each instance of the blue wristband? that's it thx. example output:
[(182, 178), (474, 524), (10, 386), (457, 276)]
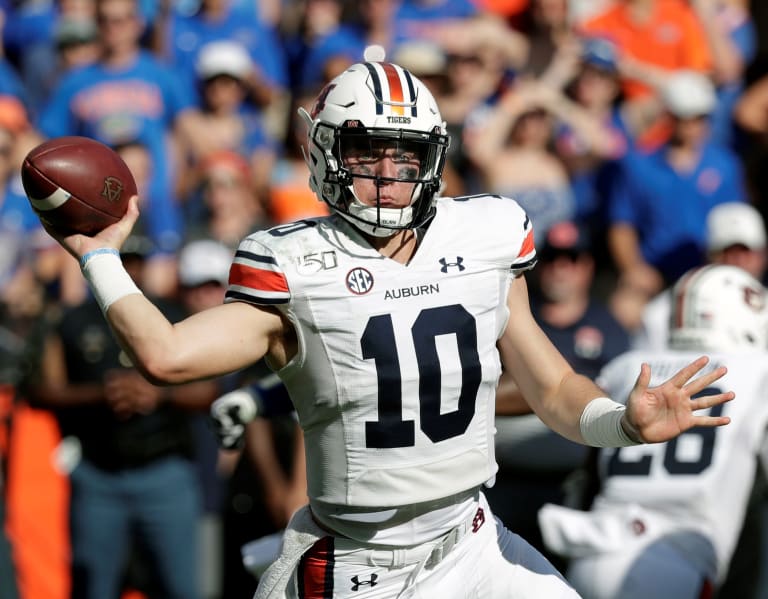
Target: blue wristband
[(87, 256)]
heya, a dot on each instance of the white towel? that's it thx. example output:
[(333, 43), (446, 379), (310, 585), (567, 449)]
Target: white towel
[(301, 533)]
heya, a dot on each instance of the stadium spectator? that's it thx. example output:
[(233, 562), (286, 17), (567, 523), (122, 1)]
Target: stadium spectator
[(476, 77), (75, 44), (366, 23), (668, 516), (289, 197), (227, 207), (230, 123), (512, 151), (732, 38), (654, 37), (309, 24), (183, 35), (20, 229), (350, 311), (736, 236), (128, 95), (657, 212), (203, 266), (549, 33), (130, 449), (31, 35)]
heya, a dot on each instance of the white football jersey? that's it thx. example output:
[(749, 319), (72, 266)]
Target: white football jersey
[(701, 480), (395, 378)]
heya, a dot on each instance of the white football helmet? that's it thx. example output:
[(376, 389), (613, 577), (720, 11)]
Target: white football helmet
[(375, 103), (719, 308)]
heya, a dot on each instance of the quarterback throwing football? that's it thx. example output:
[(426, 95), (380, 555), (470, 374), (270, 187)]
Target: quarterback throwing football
[(390, 322)]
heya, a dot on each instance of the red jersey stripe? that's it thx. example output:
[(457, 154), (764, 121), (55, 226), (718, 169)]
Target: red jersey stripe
[(257, 278), (527, 246)]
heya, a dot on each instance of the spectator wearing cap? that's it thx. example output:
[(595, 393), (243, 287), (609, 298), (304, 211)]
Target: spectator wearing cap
[(657, 214), (535, 463), (184, 34), (260, 475), (227, 78), (73, 42), (77, 41), (203, 273), (736, 235)]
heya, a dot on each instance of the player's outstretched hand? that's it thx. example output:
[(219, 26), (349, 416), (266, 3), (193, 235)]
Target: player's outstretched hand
[(112, 237), (661, 413), (230, 413)]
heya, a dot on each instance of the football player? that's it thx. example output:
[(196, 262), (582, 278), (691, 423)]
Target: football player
[(667, 518), (389, 323)]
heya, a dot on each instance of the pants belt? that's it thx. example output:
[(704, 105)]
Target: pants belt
[(430, 553)]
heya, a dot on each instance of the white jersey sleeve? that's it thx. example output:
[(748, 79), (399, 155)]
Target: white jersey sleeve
[(394, 381), (701, 480)]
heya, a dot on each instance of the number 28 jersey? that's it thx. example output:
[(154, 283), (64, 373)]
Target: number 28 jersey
[(395, 377), (702, 479)]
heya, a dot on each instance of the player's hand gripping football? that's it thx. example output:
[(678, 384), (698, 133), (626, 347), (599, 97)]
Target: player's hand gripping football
[(230, 413), (111, 237), (661, 413)]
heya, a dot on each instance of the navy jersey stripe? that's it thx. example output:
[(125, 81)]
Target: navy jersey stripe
[(255, 257), (252, 298)]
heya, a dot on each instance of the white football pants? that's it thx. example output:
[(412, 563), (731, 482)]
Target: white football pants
[(482, 560)]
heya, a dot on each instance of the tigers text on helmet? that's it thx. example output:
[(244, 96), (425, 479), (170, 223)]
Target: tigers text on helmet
[(376, 109), (719, 308)]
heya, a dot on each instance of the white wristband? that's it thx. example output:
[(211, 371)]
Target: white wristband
[(107, 277), (600, 424)]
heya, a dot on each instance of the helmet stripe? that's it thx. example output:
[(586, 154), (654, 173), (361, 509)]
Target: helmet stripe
[(395, 88), (411, 92), (376, 87)]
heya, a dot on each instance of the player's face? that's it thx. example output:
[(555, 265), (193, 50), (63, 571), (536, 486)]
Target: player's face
[(383, 171)]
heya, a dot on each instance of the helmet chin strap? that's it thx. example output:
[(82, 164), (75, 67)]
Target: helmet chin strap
[(391, 219), (379, 222)]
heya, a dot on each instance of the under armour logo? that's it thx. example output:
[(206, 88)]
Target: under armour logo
[(478, 520), (446, 265), (357, 583)]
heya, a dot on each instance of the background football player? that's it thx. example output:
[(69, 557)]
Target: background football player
[(668, 516)]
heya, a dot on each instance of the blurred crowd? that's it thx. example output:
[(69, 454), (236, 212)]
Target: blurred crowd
[(633, 132)]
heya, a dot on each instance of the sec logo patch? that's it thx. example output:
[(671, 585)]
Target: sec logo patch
[(359, 281)]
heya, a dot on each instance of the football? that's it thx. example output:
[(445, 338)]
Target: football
[(77, 184)]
